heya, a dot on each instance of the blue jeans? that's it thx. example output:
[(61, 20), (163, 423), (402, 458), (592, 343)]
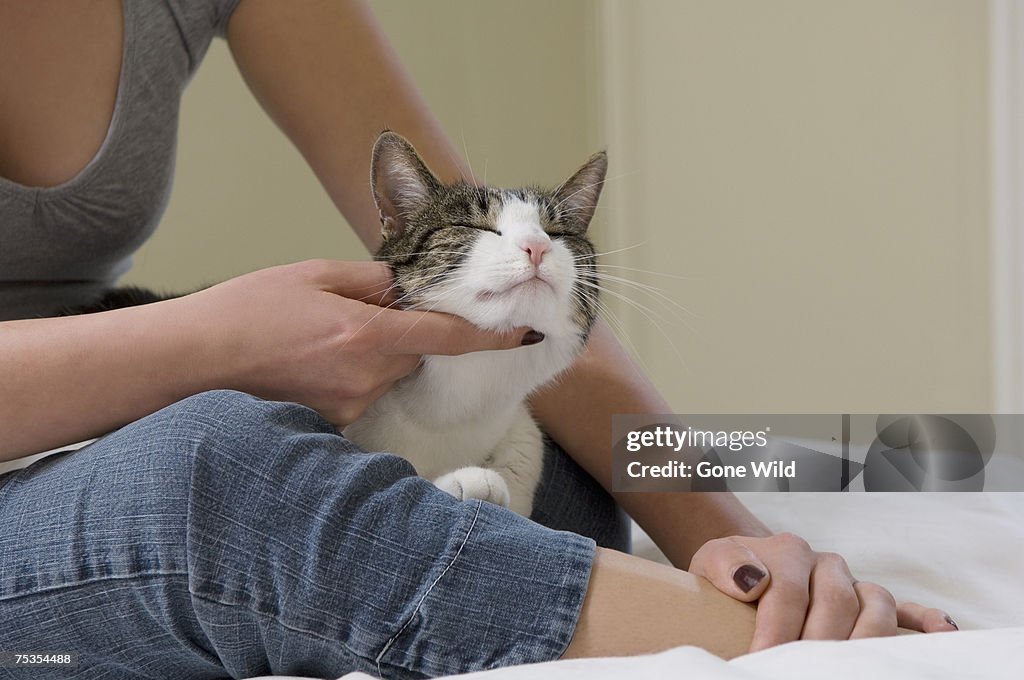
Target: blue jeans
[(229, 536)]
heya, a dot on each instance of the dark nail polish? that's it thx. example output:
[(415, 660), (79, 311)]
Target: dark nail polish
[(747, 577), (532, 337), (952, 622)]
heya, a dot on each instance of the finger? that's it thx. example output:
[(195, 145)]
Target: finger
[(924, 619), (731, 567), (877, 611), (369, 282), (834, 603), (783, 607), (436, 333)]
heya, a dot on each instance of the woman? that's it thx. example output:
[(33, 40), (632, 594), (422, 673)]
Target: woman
[(217, 532)]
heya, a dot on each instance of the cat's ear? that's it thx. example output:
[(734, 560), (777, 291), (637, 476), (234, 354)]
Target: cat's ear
[(401, 182), (576, 198)]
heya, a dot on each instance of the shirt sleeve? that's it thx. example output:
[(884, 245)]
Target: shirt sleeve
[(223, 11)]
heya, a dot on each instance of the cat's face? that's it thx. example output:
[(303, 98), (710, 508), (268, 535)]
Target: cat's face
[(500, 258)]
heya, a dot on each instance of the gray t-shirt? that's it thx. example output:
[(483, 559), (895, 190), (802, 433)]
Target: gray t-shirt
[(62, 245)]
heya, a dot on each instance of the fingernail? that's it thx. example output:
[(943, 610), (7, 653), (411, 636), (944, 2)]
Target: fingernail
[(747, 577), (532, 337), (952, 622)]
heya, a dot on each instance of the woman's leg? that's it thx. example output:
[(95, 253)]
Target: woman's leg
[(227, 535), (635, 606), (230, 535)]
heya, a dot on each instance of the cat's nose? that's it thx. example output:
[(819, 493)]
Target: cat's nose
[(535, 248)]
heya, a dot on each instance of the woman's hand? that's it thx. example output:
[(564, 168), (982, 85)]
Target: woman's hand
[(315, 333), (806, 595)]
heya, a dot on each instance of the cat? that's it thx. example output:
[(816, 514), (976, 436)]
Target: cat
[(500, 258)]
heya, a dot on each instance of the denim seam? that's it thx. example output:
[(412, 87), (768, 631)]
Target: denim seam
[(587, 555), (278, 621), (86, 582), (423, 599)]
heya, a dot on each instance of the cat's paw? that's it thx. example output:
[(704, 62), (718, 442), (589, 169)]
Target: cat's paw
[(471, 483)]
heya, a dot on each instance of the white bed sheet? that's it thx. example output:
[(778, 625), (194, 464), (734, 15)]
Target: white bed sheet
[(989, 655)]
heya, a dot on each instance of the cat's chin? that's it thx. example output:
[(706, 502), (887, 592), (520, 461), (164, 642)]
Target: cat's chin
[(530, 287), (531, 303)]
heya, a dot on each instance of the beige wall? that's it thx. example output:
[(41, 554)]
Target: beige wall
[(817, 171), (510, 82)]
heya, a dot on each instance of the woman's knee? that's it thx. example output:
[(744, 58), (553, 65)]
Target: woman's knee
[(224, 423), (237, 447), (157, 457), (229, 414)]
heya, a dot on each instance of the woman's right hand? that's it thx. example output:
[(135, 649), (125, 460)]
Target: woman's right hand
[(319, 333)]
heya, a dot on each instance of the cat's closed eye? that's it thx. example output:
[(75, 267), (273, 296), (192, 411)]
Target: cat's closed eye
[(478, 227)]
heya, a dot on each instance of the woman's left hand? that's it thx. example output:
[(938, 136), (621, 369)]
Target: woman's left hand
[(806, 595)]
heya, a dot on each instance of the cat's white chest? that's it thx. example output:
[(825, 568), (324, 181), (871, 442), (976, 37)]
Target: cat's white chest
[(468, 411)]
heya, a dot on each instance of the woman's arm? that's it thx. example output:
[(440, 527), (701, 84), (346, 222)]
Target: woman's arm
[(68, 379), (577, 412), (311, 332), (635, 606), (326, 74)]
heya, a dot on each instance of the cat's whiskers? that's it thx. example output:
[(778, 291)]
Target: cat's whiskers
[(602, 265), (437, 300), (656, 293), (615, 323), (391, 305), (387, 291), (443, 280), (573, 211), (465, 152), (573, 194), (593, 256), (606, 278), (397, 302), (588, 297), (648, 313)]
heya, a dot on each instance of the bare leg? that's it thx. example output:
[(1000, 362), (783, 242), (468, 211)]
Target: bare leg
[(635, 606)]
